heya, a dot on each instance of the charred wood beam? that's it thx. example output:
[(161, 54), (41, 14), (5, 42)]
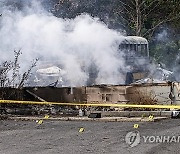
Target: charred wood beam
[(39, 98)]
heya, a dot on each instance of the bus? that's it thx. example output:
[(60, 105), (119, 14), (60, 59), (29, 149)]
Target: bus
[(136, 55)]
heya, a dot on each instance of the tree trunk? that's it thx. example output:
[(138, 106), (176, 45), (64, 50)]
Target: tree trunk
[(138, 24)]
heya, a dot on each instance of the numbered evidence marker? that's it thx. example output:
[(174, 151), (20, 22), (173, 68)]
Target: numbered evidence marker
[(136, 126), (151, 117), (81, 130), (46, 116), (39, 122)]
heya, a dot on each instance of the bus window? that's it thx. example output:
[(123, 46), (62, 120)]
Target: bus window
[(139, 49)]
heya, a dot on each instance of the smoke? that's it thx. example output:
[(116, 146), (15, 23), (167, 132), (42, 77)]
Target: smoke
[(176, 67), (163, 36), (166, 51), (74, 44)]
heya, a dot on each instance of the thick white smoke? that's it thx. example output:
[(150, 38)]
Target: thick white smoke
[(74, 44)]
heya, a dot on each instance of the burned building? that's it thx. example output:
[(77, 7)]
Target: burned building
[(148, 93)]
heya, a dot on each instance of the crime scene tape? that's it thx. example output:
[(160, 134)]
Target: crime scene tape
[(91, 104)]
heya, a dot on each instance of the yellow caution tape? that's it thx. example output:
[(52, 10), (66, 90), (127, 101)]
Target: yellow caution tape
[(91, 104)]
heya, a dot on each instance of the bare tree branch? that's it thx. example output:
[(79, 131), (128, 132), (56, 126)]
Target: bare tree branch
[(159, 23), (27, 74)]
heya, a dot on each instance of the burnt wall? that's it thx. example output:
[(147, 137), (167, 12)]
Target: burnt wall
[(136, 94), (157, 93), (106, 94), (9, 93), (53, 94)]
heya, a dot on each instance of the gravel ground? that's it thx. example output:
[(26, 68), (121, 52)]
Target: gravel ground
[(63, 137)]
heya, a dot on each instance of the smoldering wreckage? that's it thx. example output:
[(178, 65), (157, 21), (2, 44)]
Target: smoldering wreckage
[(139, 88)]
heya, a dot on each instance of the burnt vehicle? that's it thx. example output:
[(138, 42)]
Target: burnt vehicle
[(136, 56)]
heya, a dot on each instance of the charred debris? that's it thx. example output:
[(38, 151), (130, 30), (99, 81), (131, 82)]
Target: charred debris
[(149, 93)]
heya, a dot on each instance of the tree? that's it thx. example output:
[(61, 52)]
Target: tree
[(10, 74), (145, 16)]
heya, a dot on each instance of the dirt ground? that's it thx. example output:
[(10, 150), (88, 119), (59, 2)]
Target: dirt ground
[(63, 137)]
